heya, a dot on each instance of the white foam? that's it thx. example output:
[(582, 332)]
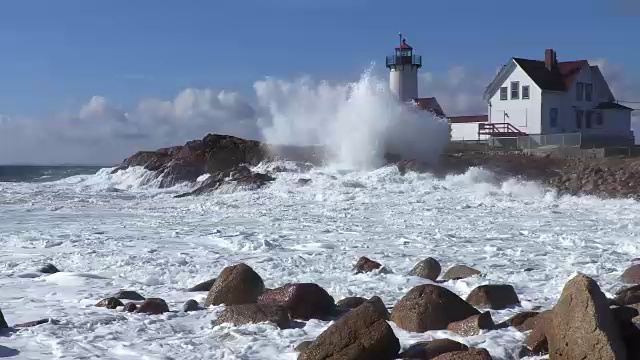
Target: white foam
[(143, 239)]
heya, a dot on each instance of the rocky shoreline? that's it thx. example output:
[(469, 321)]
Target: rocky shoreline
[(226, 159), (583, 324)]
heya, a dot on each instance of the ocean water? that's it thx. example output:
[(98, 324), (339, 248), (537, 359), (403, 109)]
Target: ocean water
[(109, 232)]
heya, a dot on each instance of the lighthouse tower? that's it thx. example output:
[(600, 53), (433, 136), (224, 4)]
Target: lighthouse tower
[(403, 67)]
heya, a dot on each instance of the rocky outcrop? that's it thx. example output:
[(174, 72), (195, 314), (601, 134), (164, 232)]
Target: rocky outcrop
[(360, 334), (365, 265), (153, 306), (632, 274), (471, 354), (460, 272), (430, 307), (523, 321), (203, 286), (236, 285), (472, 325), (351, 302), (240, 176), (110, 303), (430, 349), (3, 322), (128, 295)]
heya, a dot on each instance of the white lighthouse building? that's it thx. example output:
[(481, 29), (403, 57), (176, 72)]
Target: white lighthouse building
[(403, 66)]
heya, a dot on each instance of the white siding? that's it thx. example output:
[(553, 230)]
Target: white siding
[(404, 82), (465, 131), (524, 114)]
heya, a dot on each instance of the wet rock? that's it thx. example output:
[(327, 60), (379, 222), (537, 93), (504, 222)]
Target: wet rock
[(632, 274), (472, 325), (360, 334), (460, 272), (365, 265), (254, 314), (241, 176), (130, 307), (536, 343), (153, 306), (351, 302), (303, 300), (582, 326), (425, 350), (378, 304), (523, 321), (628, 296), (128, 295), (3, 322), (428, 268), (303, 346), (190, 305), (48, 269), (303, 182), (495, 297), (622, 314), (236, 285), (430, 307), (109, 303), (471, 354), (203, 286)]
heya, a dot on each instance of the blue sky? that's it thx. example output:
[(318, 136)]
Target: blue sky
[(55, 55)]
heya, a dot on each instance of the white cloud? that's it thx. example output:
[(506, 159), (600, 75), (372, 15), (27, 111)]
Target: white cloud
[(459, 90)]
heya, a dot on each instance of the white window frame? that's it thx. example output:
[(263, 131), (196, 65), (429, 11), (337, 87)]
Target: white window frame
[(515, 88), (525, 94), (506, 93)]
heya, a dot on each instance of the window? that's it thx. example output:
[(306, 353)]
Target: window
[(515, 90), (588, 91), (587, 119), (599, 118), (579, 119), (525, 92), (553, 117), (579, 91), (503, 93)]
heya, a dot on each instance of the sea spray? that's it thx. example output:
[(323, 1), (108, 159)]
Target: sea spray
[(357, 122)]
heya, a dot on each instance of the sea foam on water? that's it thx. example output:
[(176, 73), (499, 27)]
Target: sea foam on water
[(357, 122)]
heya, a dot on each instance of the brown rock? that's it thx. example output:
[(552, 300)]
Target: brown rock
[(361, 334), (236, 285), (365, 265), (130, 307), (254, 314), (430, 307), (380, 307), (425, 350), (471, 354), (203, 286), (351, 302), (153, 306), (628, 296), (632, 274), (495, 297), (472, 325), (523, 321), (303, 300), (460, 272), (536, 342), (582, 326), (128, 295), (428, 268), (303, 346), (109, 303)]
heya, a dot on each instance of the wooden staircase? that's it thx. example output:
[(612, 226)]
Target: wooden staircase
[(500, 130)]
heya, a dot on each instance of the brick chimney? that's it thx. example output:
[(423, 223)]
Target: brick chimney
[(550, 60)]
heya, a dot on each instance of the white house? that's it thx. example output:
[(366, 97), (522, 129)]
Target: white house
[(550, 97)]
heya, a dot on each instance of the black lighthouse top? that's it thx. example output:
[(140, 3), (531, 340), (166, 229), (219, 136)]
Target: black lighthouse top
[(403, 56)]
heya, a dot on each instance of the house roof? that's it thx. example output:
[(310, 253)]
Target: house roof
[(404, 45), (611, 105), (429, 104), (468, 119), (558, 79)]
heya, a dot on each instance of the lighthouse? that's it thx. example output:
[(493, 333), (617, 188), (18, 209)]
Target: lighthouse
[(403, 68)]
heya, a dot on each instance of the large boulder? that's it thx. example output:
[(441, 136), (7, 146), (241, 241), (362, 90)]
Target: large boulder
[(303, 300), (495, 297), (203, 286), (628, 295), (632, 274), (460, 272), (365, 265), (236, 285), (351, 302), (582, 325), (428, 268), (430, 307), (153, 306), (472, 325), (426, 350), (128, 295), (254, 314), (523, 321), (471, 354), (361, 334), (110, 303)]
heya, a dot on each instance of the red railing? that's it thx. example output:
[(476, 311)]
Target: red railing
[(499, 129)]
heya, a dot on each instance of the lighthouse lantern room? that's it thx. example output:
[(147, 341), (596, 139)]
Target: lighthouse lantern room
[(403, 67)]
